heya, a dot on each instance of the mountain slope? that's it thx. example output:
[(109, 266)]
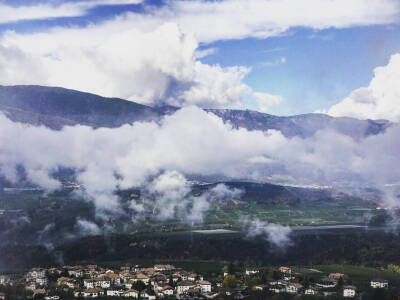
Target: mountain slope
[(56, 107)]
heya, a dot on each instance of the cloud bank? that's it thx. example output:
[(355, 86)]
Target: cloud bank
[(191, 141)]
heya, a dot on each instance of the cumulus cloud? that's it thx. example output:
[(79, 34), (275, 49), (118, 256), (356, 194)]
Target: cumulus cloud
[(51, 10), (379, 100), (276, 234), (117, 58)]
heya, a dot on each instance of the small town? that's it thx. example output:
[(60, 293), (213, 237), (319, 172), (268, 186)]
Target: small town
[(167, 281)]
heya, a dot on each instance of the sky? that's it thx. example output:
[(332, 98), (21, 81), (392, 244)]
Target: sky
[(276, 56)]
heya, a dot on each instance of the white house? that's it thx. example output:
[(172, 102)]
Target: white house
[(311, 291), (92, 293), (205, 286), (115, 293), (141, 277), (164, 267), (251, 272), (184, 286), (326, 284), (379, 283), (3, 279), (72, 284), (167, 290), (104, 283), (285, 270), (293, 288), (349, 291), (261, 287), (147, 295), (89, 283), (75, 272), (115, 279), (36, 272), (192, 276), (42, 280), (132, 294), (277, 289), (287, 277)]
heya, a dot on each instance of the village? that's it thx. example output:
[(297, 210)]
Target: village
[(167, 281)]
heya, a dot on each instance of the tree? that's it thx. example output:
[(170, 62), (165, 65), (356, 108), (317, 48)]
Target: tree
[(229, 281), (139, 285), (276, 275), (394, 268)]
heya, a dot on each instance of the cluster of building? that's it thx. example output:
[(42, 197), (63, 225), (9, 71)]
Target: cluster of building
[(92, 281), (166, 281), (325, 287)]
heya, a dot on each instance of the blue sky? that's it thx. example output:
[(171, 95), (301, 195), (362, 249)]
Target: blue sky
[(321, 68), (310, 68)]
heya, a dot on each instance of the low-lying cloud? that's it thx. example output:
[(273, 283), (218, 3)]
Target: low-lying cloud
[(277, 235), (191, 141)]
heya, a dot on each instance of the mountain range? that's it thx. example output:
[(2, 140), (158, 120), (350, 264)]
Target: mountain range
[(55, 107)]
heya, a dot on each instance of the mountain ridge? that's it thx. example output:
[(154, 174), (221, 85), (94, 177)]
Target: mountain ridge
[(55, 107)]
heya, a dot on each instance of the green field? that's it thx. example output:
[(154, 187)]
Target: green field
[(300, 215)]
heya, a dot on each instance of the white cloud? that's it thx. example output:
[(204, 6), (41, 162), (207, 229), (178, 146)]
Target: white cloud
[(222, 192), (86, 227), (205, 52), (379, 100), (230, 19), (51, 10), (265, 101), (276, 62), (16, 66), (149, 66), (276, 234), (236, 19), (169, 191), (191, 141)]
